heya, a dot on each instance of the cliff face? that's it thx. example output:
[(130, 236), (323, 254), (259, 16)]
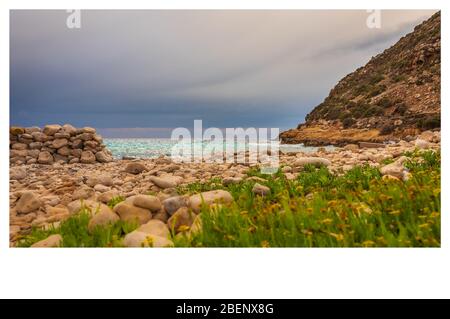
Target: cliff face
[(396, 94)]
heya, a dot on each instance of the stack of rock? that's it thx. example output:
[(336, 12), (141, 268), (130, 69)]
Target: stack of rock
[(56, 143)]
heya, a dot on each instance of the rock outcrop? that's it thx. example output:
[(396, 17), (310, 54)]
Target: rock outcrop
[(395, 95), (56, 143)]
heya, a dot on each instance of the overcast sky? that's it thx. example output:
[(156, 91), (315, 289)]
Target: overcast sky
[(163, 69)]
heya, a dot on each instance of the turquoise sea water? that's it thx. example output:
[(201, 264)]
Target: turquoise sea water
[(155, 147)]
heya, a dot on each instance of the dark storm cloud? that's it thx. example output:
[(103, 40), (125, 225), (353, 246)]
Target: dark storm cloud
[(167, 68)]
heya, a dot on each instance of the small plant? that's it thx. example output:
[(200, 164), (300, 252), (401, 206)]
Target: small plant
[(387, 129), (115, 200), (348, 122)]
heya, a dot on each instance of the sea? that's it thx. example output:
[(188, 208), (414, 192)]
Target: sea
[(156, 147)]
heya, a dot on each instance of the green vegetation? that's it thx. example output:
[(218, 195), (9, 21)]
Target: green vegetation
[(429, 123), (318, 209), (74, 232)]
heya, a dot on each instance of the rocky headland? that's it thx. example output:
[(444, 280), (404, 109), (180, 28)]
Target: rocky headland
[(395, 96)]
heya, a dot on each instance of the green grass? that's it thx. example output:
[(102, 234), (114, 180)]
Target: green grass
[(74, 232), (317, 209)]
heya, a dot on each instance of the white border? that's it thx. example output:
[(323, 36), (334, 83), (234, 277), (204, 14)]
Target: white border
[(219, 273)]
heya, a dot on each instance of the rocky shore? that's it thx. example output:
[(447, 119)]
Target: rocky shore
[(43, 195)]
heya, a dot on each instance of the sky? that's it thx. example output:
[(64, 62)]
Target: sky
[(140, 73)]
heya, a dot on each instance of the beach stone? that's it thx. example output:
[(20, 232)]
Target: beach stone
[(85, 136), (422, 144), (148, 202), (135, 168), (28, 203), (316, 161), (104, 179), (103, 157), (101, 188), (256, 179), (182, 217), (69, 129), (35, 145), (103, 218), (161, 215), (64, 151), (129, 212), (39, 136), (15, 130), (208, 198), (107, 196), (51, 241), (83, 192), (51, 129), (60, 211), (259, 189), (155, 227), (88, 129), (77, 145), (166, 181), (45, 157), (17, 173), (231, 180), (92, 206), (140, 239), (393, 169), (59, 142), (19, 146), (87, 157), (172, 204)]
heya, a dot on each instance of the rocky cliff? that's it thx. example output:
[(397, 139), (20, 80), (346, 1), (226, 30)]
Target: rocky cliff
[(56, 143), (395, 95)]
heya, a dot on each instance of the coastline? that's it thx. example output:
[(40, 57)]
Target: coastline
[(44, 196)]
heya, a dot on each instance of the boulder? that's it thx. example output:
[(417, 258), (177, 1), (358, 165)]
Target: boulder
[(259, 189), (316, 161), (155, 227), (166, 181), (69, 129), (182, 217), (135, 168), (208, 198), (172, 204), (87, 157), (51, 129), (39, 136), (130, 213), (49, 242), (59, 142), (147, 201), (140, 239), (19, 146), (103, 157), (231, 180), (103, 218), (28, 202), (104, 179), (45, 157), (17, 173), (15, 130), (422, 144), (83, 192), (91, 206)]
